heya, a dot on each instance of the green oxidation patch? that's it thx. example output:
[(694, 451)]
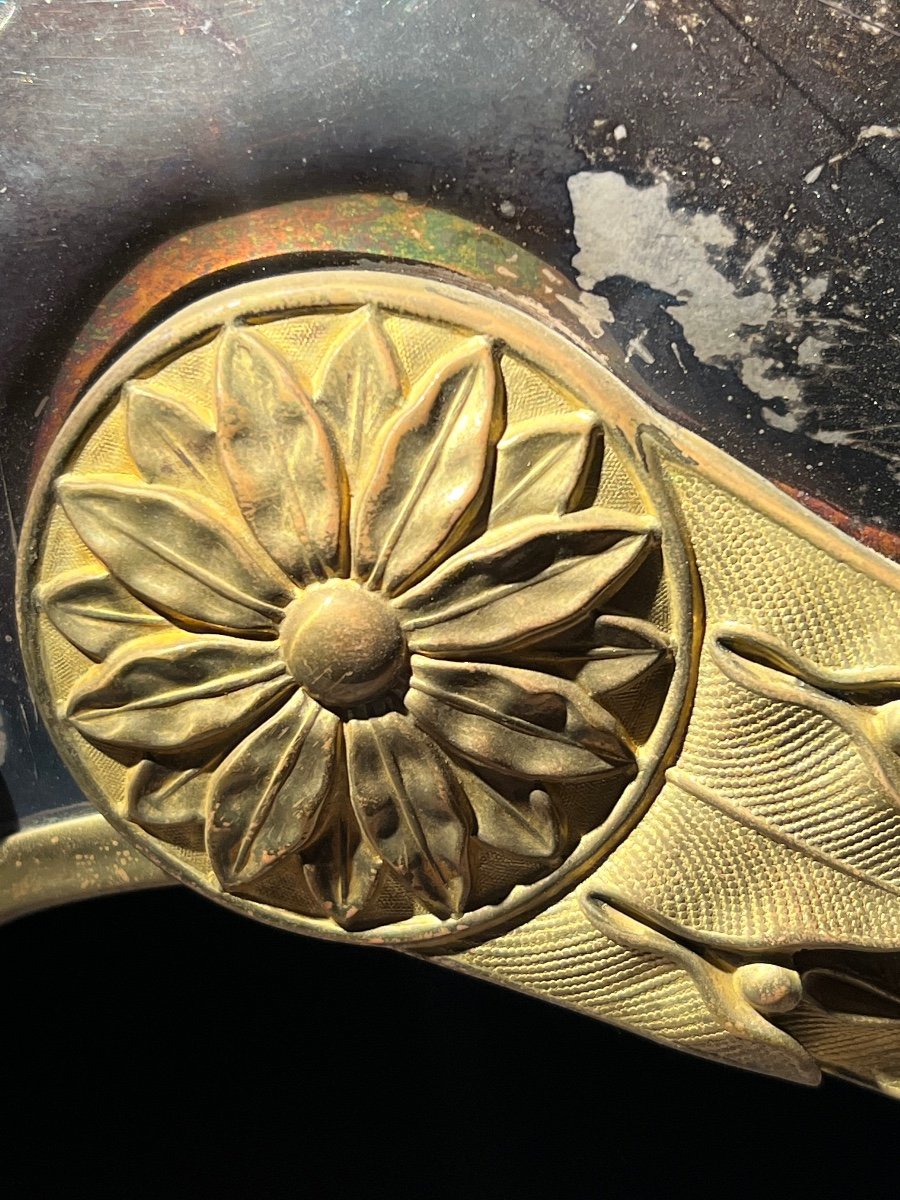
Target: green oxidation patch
[(388, 227)]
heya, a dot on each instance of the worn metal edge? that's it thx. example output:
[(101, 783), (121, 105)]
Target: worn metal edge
[(77, 857)]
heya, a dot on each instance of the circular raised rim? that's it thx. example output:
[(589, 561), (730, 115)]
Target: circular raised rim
[(415, 294)]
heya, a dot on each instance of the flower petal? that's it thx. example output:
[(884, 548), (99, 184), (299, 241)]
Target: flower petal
[(342, 870), (358, 386), (408, 804), (175, 691), (615, 652), (283, 468), (169, 443), (430, 471), (159, 797), (266, 798), (94, 612), (543, 464), (518, 722), (179, 553), (518, 819), (523, 582)]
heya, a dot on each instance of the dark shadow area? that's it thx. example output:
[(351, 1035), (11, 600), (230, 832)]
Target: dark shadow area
[(9, 822), (159, 1046)]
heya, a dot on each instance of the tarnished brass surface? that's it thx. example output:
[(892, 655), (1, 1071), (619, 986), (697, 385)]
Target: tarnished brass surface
[(359, 612), (69, 857), (373, 606)]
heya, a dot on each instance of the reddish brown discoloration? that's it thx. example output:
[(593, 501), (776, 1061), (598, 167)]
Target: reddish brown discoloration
[(355, 225), (882, 540)]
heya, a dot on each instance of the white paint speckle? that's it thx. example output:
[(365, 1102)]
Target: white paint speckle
[(810, 351), (507, 209), (593, 312), (622, 230), (673, 346), (789, 422), (814, 287), (878, 131), (833, 437), (636, 347), (620, 133), (866, 134)]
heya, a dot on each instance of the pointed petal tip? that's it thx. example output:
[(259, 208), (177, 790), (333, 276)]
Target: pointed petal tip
[(581, 423), (447, 900), (232, 336), (139, 399), (64, 485), (485, 354), (583, 416), (479, 351), (230, 331), (131, 391), (236, 336), (72, 485), (136, 390), (366, 315), (229, 881), (157, 797), (457, 895), (231, 876), (345, 917)]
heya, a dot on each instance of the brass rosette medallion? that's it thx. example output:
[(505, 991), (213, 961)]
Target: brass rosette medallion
[(373, 603), (356, 609)]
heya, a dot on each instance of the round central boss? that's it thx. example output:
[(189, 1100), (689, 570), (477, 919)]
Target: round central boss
[(342, 644)]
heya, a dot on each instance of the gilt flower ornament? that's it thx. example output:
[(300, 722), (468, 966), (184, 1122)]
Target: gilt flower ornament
[(369, 604), (356, 622)]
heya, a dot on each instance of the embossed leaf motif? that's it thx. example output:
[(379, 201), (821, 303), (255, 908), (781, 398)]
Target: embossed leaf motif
[(266, 797), (543, 465), (95, 612), (360, 696), (431, 470), (179, 553), (176, 690), (409, 804), (342, 871), (283, 468), (158, 796), (612, 653), (516, 720), (523, 582), (864, 703), (520, 820), (359, 386), (170, 443)]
